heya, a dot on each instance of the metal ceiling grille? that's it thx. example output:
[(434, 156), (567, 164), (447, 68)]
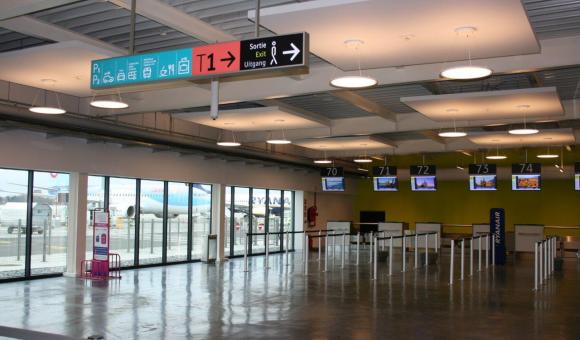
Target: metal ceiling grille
[(12, 41), (389, 96), (554, 18), (327, 105)]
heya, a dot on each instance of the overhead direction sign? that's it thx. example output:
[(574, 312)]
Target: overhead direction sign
[(214, 60)]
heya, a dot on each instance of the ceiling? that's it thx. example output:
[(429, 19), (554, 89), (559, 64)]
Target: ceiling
[(536, 60)]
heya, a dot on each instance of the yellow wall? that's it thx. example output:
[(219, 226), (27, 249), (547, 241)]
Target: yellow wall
[(556, 204)]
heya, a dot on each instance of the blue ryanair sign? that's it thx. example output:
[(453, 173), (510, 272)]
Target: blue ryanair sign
[(497, 226)]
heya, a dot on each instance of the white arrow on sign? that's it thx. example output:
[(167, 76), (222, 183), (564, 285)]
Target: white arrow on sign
[(294, 51)]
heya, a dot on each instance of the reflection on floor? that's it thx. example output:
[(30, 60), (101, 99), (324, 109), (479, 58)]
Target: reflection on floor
[(206, 301)]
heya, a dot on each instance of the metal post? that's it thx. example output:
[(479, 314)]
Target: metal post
[(306, 255), (436, 242), (287, 246), (152, 225), (178, 231), (486, 251), (535, 265), (50, 238), (479, 252), (376, 259), (246, 253), (326, 244), (128, 238), (451, 262), (426, 250), (168, 233), (357, 247), (555, 244), (304, 246), (371, 249), (132, 27), (471, 256), (19, 233), (541, 277), (343, 249), (319, 245), (43, 242), (404, 247), (391, 256), (462, 261), (545, 260), (416, 251), (267, 240), (333, 241)]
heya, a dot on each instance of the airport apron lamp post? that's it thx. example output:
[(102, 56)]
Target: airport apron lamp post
[(356, 81), (46, 108), (469, 71)]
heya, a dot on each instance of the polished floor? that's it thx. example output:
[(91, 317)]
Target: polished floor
[(198, 301)]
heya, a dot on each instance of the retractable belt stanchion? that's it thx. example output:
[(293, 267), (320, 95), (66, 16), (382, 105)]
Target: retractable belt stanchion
[(540, 261), (391, 256), (246, 253), (371, 250), (343, 249), (357, 247), (426, 250), (375, 258), (304, 246), (319, 244), (326, 253), (267, 250), (545, 260), (404, 247), (332, 240), (536, 266), (451, 262), (462, 264), (287, 244), (416, 250), (471, 256), (436, 242), (479, 252), (486, 251)]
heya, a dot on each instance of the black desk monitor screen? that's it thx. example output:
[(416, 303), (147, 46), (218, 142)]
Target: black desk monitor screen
[(526, 182), (577, 181), (424, 183), (386, 183), (332, 183), (482, 182)]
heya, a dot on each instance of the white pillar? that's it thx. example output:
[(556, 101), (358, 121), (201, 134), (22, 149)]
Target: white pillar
[(77, 223), (218, 216)]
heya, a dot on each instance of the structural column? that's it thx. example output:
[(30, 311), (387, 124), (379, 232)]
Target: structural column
[(218, 216), (77, 223)]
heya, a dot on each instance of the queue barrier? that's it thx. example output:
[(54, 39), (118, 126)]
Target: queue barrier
[(544, 258), (488, 240), (90, 271)]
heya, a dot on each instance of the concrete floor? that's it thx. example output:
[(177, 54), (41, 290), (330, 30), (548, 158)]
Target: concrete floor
[(198, 301)]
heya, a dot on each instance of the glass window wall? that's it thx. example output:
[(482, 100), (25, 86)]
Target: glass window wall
[(122, 202), (49, 222), (151, 245), (177, 211), (200, 216), (275, 210), (241, 219), (95, 201), (13, 206)]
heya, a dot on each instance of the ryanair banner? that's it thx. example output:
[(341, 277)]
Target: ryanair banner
[(497, 226)]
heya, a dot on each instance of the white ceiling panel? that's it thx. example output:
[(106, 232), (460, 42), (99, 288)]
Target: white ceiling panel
[(409, 32), (361, 143), (506, 104), (252, 119), (552, 137)]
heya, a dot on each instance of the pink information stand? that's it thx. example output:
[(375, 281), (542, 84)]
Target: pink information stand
[(104, 264)]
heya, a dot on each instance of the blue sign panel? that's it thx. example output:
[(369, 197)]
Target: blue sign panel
[(497, 226), (166, 65)]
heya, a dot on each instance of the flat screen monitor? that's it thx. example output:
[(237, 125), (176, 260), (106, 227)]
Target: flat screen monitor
[(423, 183), (482, 182), (526, 182), (577, 181), (332, 183), (385, 183)]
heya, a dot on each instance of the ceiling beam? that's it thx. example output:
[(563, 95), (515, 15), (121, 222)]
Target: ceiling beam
[(13, 9), (365, 104), (433, 136), (313, 116), (37, 28), (172, 17)]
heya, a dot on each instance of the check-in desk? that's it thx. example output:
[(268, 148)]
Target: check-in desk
[(392, 228), (426, 227), (527, 235), (339, 227)]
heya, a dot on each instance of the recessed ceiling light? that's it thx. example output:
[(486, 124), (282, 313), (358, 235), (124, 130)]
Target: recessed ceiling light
[(466, 72), (523, 131), (47, 110), (353, 82), (452, 134), (109, 104)]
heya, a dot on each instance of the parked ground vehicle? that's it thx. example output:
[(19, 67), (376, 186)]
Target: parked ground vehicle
[(13, 217)]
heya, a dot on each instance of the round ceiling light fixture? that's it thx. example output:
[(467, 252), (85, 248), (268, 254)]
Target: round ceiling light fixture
[(113, 103), (548, 155), (525, 130), (223, 141), (278, 141), (497, 156), (452, 134), (466, 72), (362, 160), (354, 81), (322, 161), (46, 109)]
